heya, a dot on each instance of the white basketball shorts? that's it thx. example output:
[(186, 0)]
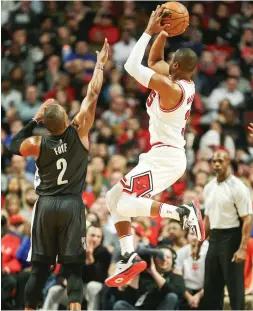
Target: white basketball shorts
[(157, 170)]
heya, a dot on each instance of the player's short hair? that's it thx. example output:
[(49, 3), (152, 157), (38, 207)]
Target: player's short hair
[(186, 58), (54, 118)]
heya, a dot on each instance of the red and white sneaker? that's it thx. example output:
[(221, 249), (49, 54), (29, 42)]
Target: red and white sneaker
[(129, 266), (193, 219)]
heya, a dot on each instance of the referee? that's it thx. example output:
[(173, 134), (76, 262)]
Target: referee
[(228, 222)]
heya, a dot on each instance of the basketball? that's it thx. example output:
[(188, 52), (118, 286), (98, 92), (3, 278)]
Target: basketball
[(177, 16)]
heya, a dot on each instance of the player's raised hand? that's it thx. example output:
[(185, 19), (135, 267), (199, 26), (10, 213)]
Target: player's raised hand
[(102, 56), (250, 127), (154, 24), (40, 113)]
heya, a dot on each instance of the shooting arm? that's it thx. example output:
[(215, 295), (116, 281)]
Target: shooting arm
[(156, 55), (148, 77), (133, 64)]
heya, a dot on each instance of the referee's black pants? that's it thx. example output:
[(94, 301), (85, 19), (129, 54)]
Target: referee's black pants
[(221, 271)]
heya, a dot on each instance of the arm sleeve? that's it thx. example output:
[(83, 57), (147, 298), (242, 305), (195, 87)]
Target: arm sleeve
[(133, 64), (27, 131)]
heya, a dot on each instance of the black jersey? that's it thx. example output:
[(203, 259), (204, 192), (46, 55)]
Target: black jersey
[(62, 164)]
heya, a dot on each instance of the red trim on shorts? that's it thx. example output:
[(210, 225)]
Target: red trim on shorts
[(178, 105), (128, 192), (161, 145), (124, 185)]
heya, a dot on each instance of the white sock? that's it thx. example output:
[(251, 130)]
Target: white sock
[(126, 244), (169, 211)]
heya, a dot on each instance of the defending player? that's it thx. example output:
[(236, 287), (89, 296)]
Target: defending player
[(58, 227)]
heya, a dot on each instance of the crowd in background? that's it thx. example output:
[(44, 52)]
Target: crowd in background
[(48, 51)]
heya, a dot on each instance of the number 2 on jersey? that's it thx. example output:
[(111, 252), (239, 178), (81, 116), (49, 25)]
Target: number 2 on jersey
[(61, 164)]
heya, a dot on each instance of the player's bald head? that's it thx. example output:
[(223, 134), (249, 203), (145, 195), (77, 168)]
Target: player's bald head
[(222, 154), (186, 58), (54, 118)]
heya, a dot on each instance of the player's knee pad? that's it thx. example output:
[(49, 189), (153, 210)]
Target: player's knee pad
[(131, 206), (112, 197), (126, 207)]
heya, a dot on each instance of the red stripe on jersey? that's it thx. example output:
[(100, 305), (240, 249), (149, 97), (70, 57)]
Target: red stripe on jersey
[(178, 105)]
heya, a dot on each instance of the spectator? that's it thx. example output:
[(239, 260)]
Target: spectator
[(10, 244), (29, 107), (122, 48), (53, 72), (18, 79), (62, 84), (94, 274), (105, 29), (229, 91), (24, 16), (14, 187), (15, 58), (17, 168), (15, 127), (12, 204), (215, 138), (29, 199), (9, 96), (81, 53), (116, 114), (173, 232), (234, 70), (159, 289), (193, 270)]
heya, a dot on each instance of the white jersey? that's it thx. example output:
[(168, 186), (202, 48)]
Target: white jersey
[(167, 127)]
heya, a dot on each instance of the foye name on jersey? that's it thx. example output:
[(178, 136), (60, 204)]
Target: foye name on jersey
[(61, 149)]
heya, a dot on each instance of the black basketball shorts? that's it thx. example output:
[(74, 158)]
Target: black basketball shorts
[(58, 230)]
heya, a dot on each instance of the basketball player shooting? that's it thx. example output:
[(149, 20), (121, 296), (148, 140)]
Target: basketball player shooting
[(58, 227), (169, 107)]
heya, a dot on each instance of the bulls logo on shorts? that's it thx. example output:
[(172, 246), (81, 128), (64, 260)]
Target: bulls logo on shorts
[(140, 184)]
